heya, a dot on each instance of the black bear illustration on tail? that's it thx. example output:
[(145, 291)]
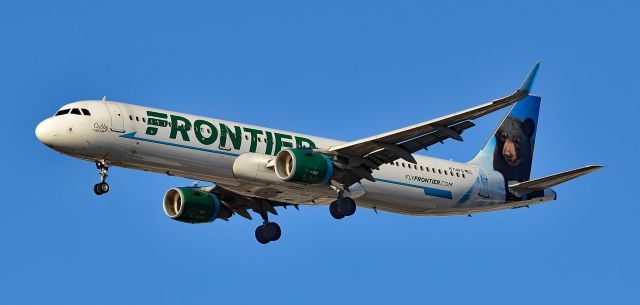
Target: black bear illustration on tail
[(513, 152), (509, 151)]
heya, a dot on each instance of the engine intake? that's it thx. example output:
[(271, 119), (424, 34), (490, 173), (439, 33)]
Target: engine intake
[(303, 166), (192, 205)]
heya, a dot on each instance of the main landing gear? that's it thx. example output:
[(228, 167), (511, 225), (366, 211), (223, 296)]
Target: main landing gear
[(102, 187), (268, 231), (344, 206)]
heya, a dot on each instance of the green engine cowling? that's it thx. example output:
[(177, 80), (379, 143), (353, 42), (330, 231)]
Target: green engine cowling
[(303, 166), (192, 205)]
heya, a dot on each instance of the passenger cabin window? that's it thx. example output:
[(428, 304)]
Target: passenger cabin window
[(63, 112), (144, 120), (85, 111), (131, 117), (76, 111)]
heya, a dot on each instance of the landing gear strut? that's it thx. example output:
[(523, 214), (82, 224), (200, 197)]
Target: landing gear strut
[(268, 231), (344, 206), (102, 187)]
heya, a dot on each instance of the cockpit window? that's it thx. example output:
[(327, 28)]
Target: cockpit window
[(63, 112), (85, 111), (76, 111)]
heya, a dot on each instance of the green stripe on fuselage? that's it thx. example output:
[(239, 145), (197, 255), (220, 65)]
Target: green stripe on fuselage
[(132, 136)]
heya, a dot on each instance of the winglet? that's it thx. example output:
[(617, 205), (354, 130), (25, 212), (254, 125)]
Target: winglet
[(528, 82)]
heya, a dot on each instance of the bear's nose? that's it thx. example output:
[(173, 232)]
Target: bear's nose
[(508, 155)]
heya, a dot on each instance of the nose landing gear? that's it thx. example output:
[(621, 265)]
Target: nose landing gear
[(102, 187)]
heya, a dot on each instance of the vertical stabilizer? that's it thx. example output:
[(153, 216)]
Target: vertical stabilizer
[(510, 148)]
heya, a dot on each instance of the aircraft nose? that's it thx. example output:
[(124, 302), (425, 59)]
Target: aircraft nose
[(46, 132)]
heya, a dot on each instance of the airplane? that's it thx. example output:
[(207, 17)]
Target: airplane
[(257, 169)]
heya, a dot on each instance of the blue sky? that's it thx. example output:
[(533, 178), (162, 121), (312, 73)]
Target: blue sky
[(337, 69)]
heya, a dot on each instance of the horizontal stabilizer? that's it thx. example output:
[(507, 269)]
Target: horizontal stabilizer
[(549, 181)]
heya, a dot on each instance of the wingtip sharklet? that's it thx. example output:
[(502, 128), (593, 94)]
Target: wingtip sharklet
[(528, 82)]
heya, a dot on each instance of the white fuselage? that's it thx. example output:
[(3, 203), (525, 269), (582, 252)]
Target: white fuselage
[(148, 139)]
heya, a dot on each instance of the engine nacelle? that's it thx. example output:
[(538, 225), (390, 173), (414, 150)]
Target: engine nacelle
[(193, 205), (254, 167), (303, 166)]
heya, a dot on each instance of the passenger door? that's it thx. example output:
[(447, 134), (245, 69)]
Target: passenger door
[(117, 121)]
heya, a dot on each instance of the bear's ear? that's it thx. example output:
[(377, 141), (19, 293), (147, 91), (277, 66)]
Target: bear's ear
[(529, 127)]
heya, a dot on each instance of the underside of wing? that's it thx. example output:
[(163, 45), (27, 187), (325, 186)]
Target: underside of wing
[(241, 204)]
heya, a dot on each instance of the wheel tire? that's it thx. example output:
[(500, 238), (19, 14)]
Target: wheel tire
[(96, 189), (104, 187), (260, 235), (346, 206), (273, 231), (335, 212)]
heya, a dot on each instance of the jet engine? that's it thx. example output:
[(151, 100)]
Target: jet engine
[(303, 166), (192, 205)]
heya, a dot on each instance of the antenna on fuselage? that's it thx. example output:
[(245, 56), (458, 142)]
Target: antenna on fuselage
[(104, 98)]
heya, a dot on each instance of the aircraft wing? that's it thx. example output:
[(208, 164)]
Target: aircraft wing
[(367, 154)]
